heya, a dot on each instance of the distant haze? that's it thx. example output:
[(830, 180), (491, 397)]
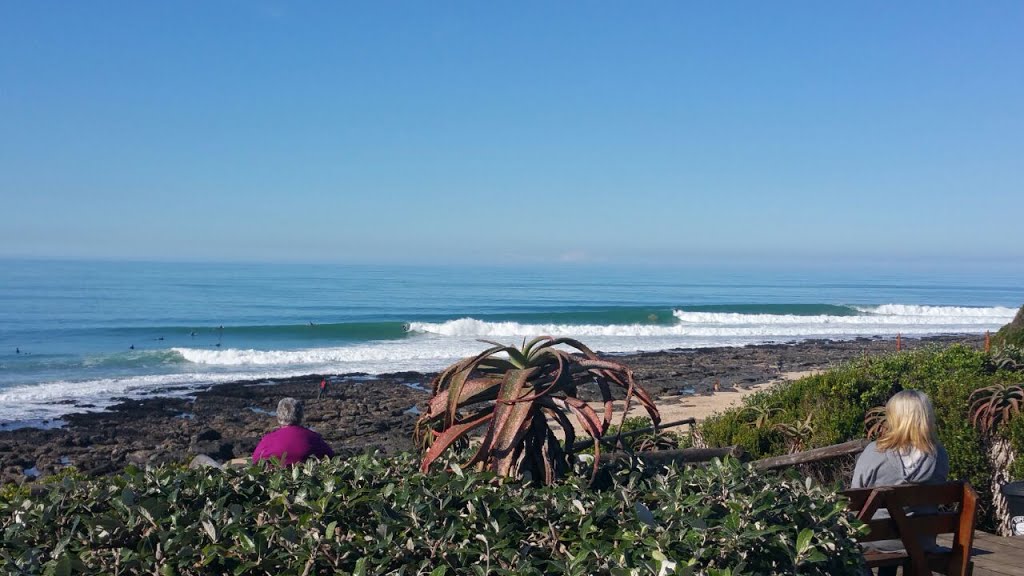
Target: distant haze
[(521, 132)]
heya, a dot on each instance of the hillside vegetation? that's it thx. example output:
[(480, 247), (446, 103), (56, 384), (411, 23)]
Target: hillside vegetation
[(830, 408)]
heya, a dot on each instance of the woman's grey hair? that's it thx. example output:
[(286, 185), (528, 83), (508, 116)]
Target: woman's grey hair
[(289, 412)]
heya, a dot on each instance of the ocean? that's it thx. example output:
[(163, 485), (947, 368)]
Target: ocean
[(75, 334)]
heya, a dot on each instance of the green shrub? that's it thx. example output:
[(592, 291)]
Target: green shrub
[(1013, 333), (375, 516), (837, 401), (1015, 434)]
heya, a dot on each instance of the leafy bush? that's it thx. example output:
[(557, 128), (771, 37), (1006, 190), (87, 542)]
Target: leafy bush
[(840, 399), (374, 516)]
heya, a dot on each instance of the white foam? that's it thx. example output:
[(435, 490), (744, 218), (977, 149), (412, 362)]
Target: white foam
[(435, 345), (999, 313)]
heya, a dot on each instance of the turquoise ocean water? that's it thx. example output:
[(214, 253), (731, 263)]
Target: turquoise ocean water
[(75, 333)]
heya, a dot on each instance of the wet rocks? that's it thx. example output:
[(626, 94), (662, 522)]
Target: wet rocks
[(360, 413)]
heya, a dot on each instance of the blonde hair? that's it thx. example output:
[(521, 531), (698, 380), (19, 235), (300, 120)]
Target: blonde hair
[(910, 423)]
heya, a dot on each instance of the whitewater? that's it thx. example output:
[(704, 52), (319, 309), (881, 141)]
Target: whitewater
[(76, 336)]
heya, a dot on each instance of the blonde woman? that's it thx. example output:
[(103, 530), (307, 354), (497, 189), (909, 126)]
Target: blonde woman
[(908, 452)]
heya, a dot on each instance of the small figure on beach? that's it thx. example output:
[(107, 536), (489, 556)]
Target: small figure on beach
[(292, 442), (323, 388), (907, 452)]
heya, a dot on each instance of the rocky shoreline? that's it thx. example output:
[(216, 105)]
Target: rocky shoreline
[(363, 413)]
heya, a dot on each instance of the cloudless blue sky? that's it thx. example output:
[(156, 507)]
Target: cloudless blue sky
[(430, 132)]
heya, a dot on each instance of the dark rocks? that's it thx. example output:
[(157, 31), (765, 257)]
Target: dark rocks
[(206, 434), (358, 414)]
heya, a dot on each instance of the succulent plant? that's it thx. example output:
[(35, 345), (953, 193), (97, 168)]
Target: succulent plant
[(995, 404), (511, 392), (797, 434), (760, 415), (875, 423), (1008, 357)]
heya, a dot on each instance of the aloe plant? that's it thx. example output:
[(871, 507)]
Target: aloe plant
[(1008, 357), (760, 415), (510, 392), (797, 434), (875, 423), (995, 404)]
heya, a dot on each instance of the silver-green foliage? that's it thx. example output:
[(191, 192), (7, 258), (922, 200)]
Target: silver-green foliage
[(376, 516)]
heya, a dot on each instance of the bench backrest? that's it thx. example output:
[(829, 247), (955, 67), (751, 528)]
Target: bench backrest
[(899, 526)]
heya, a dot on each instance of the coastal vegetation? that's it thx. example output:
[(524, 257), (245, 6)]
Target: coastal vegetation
[(1013, 333), (977, 398), (370, 515)]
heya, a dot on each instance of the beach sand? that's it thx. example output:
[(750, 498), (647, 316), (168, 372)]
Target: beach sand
[(676, 407)]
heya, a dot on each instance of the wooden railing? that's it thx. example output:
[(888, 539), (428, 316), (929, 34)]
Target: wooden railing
[(700, 455), (815, 455)]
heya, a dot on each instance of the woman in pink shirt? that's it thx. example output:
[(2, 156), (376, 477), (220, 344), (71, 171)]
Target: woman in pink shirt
[(291, 443)]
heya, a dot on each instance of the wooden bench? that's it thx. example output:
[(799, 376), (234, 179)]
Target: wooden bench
[(956, 503)]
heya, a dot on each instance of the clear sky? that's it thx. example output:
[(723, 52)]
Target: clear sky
[(430, 132)]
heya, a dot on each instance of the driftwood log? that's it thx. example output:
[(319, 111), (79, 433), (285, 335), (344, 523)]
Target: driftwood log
[(701, 455), (815, 455)]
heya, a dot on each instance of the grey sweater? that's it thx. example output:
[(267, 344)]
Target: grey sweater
[(886, 468)]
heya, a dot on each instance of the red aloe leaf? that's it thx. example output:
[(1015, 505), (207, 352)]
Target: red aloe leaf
[(586, 415), (575, 344), (547, 390), (449, 436), (473, 391), (510, 420), (528, 347), (609, 404), (567, 428), (458, 380)]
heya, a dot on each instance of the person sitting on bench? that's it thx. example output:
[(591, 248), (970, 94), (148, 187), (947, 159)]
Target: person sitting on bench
[(907, 452)]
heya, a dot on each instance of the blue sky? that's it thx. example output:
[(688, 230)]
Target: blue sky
[(431, 132)]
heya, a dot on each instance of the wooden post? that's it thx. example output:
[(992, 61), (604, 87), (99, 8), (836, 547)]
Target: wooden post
[(988, 341), (899, 345)]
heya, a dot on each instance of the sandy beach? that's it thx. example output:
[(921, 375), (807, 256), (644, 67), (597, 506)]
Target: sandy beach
[(376, 413)]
